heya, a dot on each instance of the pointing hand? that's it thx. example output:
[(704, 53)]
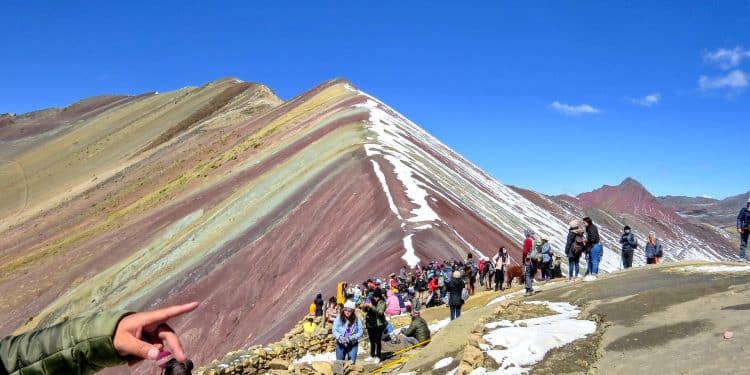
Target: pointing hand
[(143, 334)]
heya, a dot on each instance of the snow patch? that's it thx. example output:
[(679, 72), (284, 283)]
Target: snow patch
[(528, 340), (410, 256), (323, 357), (504, 297), (381, 178), (439, 325), (445, 362)]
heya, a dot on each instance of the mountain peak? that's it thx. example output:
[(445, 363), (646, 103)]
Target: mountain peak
[(629, 197), (630, 181)]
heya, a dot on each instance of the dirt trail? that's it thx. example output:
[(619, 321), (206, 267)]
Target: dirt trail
[(656, 320)]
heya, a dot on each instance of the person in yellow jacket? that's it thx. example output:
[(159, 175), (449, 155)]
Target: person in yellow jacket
[(308, 327)]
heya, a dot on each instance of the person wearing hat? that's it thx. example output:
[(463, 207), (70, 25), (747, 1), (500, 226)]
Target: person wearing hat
[(743, 228), (418, 331), (455, 294), (347, 330), (375, 324), (629, 244), (574, 246)]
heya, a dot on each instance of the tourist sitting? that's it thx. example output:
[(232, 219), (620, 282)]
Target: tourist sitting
[(417, 331)]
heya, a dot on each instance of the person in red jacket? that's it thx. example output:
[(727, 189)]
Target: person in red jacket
[(433, 284), (528, 243)]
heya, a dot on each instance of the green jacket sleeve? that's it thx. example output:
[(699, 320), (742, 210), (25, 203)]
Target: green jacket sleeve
[(411, 330), (79, 346)]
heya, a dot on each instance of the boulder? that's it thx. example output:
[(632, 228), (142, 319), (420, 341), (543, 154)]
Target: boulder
[(473, 357), (464, 369), (323, 368), (278, 364), (474, 340)]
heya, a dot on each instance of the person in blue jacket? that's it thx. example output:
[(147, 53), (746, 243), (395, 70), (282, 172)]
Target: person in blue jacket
[(347, 330), (743, 228)]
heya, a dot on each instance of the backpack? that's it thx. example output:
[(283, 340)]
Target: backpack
[(659, 250), (472, 269), (536, 252), (489, 268), (576, 248), (480, 268), (464, 294)]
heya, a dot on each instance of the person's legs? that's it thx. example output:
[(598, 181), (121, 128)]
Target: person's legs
[(340, 352), (458, 311), (352, 352), (743, 244), (371, 332), (627, 259), (378, 340), (410, 340), (529, 280), (571, 265), (498, 279), (595, 257)]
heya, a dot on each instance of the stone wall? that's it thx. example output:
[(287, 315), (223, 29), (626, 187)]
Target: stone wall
[(276, 358)]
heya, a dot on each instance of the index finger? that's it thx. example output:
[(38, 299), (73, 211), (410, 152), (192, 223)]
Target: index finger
[(162, 315)]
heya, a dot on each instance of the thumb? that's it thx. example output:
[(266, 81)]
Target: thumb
[(129, 345)]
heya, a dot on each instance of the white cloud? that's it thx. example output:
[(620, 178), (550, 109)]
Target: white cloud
[(734, 80), (726, 58), (573, 110), (648, 100)]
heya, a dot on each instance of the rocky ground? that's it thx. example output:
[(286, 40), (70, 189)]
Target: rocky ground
[(679, 318), (670, 319)]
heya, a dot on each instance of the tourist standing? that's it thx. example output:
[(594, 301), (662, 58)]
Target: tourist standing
[(574, 247), (319, 305), (347, 330), (455, 294), (629, 244), (653, 249), (546, 259), (375, 323), (470, 270), (594, 248), (743, 228)]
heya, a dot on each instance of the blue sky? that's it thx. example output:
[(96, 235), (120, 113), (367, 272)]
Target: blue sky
[(559, 97)]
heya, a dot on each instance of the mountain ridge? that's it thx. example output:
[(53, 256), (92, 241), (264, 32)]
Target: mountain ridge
[(245, 198)]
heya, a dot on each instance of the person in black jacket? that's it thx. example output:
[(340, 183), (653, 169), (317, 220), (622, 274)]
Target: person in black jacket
[(593, 249), (629, 244), (455, 298), (743, 228), (319, 305), (574, 249)]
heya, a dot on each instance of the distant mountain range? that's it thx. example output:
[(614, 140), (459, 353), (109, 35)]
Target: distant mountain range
[(228, 195), (721, 213)]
